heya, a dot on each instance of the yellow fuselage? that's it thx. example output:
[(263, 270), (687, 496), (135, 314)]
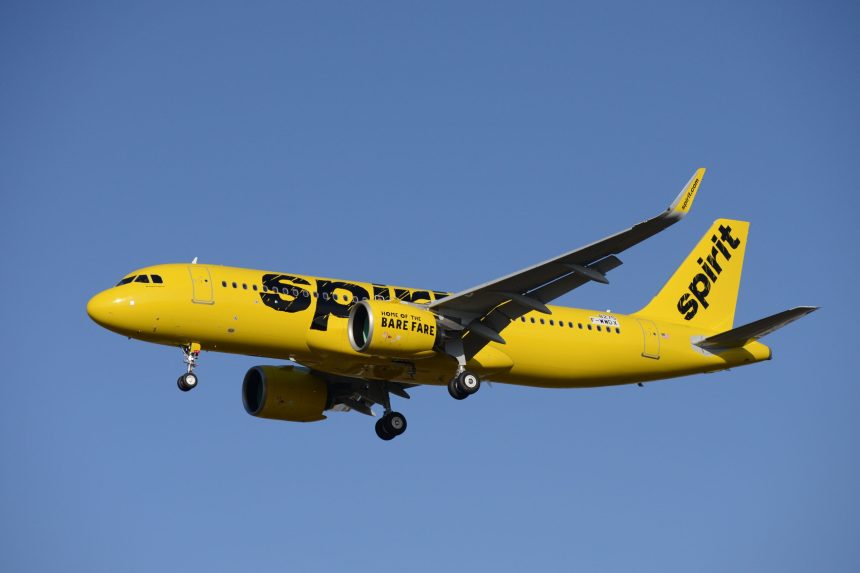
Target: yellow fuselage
[(302, 318)]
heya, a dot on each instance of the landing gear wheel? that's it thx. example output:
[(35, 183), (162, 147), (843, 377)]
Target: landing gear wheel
[(463, 385), (381, 431), (395, 423), (468, 382), (187, 382), (455, 391), (391, 425)]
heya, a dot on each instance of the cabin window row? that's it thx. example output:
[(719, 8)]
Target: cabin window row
[(294, 292), (575, 325)]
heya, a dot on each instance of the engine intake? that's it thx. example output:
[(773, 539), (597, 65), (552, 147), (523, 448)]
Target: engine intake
[(284, 393), (392, 329)]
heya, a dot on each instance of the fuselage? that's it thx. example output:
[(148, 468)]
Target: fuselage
[(304, 319)]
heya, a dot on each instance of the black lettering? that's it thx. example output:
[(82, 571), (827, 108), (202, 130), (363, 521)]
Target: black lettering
[(700, 287), (712, 260), (721, 247), (285, 302), (327, 306), (726, 234), (687, 306), (381, 292), (407, 295), (707, 269)]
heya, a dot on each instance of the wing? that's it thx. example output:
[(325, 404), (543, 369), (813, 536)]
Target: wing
[(483, 312)]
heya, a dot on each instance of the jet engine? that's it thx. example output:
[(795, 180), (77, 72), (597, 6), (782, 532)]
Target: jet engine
[(284, 393), (392, 329)]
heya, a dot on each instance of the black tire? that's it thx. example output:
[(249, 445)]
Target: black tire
[(382, 431), (395, 423), (468, 383), (187, 382), (455, 391)]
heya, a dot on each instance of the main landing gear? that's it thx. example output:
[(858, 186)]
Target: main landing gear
[(391, 425), (463, 385), (188, 381)]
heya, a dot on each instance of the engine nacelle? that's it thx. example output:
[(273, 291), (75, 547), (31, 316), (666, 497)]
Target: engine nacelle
[(392, 329), (284, 393)]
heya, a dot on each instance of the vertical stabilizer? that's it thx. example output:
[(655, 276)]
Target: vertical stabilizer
[(703, 291)]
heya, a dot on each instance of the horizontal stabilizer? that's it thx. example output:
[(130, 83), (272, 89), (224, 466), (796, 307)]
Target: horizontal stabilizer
[(743, 335)]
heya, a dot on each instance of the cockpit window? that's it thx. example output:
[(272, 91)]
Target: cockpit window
[(125, 281), (142, 279), (157, 279)]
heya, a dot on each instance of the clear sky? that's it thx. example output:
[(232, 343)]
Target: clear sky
[(434, 145)]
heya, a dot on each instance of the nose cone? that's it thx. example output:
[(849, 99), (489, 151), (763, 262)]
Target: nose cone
[(101, 307)]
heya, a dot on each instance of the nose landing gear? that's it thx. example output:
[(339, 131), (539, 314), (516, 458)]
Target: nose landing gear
[(188, 381)]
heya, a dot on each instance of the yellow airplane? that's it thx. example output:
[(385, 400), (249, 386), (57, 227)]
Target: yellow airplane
[(354, 344)]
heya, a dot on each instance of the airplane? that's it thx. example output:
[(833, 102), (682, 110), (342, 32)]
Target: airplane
[(352, 345)]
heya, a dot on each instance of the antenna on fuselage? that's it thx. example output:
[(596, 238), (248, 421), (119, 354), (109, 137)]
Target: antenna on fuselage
[(194, 262)]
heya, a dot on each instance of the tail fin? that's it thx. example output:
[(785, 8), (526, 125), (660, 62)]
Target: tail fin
[(703, 291)]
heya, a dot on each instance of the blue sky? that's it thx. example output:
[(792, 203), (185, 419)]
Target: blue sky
[(436, 145)]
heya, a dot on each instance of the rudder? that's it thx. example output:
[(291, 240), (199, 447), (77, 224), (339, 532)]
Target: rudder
[(703, 292)]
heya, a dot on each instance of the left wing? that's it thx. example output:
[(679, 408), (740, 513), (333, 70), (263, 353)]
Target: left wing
[(484, 311)]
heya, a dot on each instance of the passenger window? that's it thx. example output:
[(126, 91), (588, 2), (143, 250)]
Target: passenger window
[(325, 296), (285, 290), (157, 279), (125, 281), (589, 327), (542, 322), (254, 287), (533, 320), (580, 325), (570, 324), (598, 328), (617, 331), (234, 285), (245, 286), (142, 279), (552, 323), (224, 284)]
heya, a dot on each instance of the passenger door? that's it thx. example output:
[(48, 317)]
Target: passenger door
[(201, 283), (651, 336)]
